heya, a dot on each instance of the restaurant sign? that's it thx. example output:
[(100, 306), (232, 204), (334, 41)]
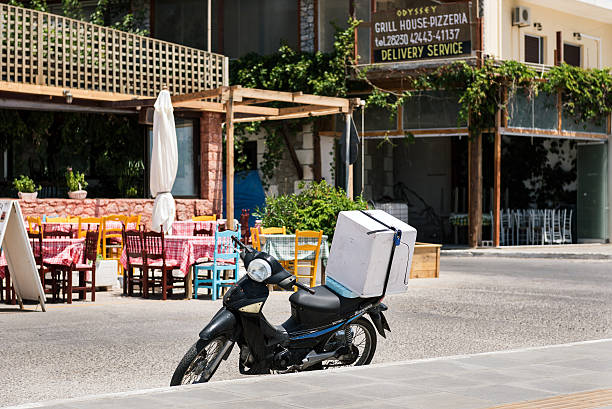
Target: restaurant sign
[(421, 32)]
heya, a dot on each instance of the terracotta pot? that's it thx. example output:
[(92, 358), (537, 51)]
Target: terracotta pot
[(78, 194), (27, 196)]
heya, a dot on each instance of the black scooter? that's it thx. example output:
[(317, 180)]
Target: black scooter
[(325, 330)]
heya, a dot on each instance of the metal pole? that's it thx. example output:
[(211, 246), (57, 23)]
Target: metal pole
[(347, 151), (209, 26), (609, 183), (362, 149)]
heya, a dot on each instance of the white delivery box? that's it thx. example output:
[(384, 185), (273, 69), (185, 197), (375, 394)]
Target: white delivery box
[(361, 249)]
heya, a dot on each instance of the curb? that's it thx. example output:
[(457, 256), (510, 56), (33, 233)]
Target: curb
[(568, 256)]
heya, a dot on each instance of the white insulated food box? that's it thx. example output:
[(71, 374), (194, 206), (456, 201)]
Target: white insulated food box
[(359, 260)]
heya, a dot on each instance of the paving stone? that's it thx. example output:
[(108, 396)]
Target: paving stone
[(503, 393), (440, 400), (387, 390), (558, 385), (330, 398), (604, 365)]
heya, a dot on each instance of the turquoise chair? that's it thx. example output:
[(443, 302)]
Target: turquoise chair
[(225, 253)]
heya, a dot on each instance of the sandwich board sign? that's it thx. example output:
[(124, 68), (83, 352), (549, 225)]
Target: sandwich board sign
[(18, 254)]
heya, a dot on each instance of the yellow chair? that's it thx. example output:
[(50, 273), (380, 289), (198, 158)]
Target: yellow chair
[(273, 230), (57, 220), (132, 220), (112, 243), (82, 231), (211, 218), (34, 224), (311, 264), (255, 238)]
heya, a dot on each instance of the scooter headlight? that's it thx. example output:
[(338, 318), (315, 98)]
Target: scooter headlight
[(259, 270)]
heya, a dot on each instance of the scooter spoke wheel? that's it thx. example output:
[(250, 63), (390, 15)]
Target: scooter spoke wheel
[(197, 364), (362, 348)]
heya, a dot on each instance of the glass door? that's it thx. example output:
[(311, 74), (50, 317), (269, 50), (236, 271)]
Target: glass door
[(592, 201)]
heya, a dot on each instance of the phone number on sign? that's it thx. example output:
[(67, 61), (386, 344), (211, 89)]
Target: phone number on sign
[(417, 37)]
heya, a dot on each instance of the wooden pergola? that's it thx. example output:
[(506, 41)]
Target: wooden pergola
[(248, 105)]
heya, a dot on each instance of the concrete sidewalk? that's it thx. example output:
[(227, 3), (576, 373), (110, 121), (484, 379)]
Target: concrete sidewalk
[(577, 375), (562, 251)]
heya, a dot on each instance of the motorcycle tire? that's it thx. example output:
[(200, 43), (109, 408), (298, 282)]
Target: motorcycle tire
[(191, 364), (362, 328)]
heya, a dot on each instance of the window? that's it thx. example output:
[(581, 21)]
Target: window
[(534, 49), (331, 11), (182, 22), (186, 180), (571, 54), (258, 26)]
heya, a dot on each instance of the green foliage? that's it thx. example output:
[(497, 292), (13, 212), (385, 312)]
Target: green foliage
[(587, 93), (40, 5), (130, 181), (75, 180), (314, 208), (24, 184)]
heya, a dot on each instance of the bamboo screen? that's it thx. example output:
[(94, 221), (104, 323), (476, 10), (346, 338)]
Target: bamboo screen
[(47, 49)]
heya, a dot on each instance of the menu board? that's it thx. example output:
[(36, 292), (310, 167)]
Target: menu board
[(421, 32)]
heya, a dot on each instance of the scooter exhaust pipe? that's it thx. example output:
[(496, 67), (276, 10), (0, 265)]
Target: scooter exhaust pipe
[(313, 358)]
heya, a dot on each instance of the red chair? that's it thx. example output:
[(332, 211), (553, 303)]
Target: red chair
[(154, 259), (132, 240), (92, 238)]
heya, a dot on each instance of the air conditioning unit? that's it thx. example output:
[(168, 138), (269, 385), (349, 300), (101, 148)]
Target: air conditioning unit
[(521, 16)]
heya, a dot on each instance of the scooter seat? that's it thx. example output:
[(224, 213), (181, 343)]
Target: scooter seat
[(323, 300)]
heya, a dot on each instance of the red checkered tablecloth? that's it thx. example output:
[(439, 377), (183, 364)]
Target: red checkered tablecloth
[(111, 225), (55, 251), (184, 249), (186, 227)]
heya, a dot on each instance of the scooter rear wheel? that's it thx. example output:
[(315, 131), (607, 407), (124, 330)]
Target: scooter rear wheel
[(363, 345), (197, 364)]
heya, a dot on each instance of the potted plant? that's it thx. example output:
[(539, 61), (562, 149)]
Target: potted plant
[(76, 184), (26, 189)]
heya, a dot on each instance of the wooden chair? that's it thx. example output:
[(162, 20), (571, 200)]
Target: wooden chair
[(255, 242), (225, 258), (244, 225), (203, 232), (51, 234), (132, 240), (90, 255), (34, 223), (132, 221), (112, 245), (55, 219), (274, 230), (300, 238), (89, 221), (154, 258), (210, 218)]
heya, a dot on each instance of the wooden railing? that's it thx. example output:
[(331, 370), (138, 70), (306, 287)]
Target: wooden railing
[(46, 49)]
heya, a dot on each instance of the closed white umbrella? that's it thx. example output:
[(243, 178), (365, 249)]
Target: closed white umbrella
[(164, 163)]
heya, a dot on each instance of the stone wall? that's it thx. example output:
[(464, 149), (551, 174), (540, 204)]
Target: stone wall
[(307, 25), (211, 160), (185, 208)]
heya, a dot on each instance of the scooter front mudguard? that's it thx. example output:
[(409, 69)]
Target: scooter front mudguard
[(223, 323)]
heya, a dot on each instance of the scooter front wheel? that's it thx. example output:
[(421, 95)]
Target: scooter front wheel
[(201, 361)]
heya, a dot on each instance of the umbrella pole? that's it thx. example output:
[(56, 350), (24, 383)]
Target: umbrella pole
[(229, 163)]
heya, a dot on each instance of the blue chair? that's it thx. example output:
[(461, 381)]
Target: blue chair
[(225, 258)]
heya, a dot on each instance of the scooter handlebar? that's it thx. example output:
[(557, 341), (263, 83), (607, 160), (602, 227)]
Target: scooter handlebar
[(304, 287)]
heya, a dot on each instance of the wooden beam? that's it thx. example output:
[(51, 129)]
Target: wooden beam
[(330, 111), (496, 179), (553, 133), (294, 97), (229, 164), (210, 93), (219, 107), (475, 190), (306, 109), (59, 92)]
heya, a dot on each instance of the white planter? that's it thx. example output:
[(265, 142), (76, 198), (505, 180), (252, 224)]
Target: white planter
[(78, 194), (27, 196), (106, 273)]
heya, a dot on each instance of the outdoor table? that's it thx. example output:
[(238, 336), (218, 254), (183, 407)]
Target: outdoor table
[(282, 248), (60, 251), (186, 227), (186, 250)]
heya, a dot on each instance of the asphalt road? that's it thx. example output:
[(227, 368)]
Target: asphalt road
[(477, 305)]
